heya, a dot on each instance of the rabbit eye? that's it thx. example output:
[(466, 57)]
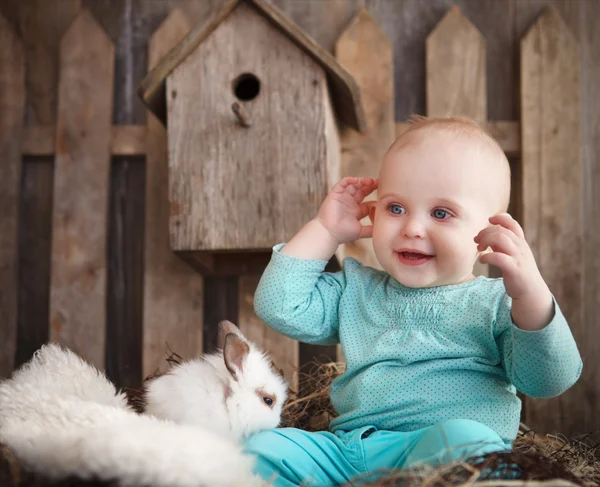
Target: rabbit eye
[(268, 401)]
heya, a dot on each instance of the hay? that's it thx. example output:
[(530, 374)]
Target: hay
[(533, 458), (535, 461)]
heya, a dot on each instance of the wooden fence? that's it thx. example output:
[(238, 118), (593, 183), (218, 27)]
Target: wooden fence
[(543, 146)]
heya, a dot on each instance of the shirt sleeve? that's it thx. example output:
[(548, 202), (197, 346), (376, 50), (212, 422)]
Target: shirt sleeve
[(541, 363), (296, 298)]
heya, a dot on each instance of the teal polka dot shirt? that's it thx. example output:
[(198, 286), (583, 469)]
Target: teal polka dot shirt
[(417, 357)]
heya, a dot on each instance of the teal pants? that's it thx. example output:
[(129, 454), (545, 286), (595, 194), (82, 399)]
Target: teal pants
[(291, 457)]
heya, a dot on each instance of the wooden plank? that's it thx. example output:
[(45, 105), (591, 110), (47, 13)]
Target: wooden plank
[(130, 140), (283, 350), (12, 110), (78, 281), (35, 244), (456, 75), (126, 140), (125, 276), (455, 67), (41, 25), (590, 125), (222, 303), (367, 54), (552, 186), (173, 291)]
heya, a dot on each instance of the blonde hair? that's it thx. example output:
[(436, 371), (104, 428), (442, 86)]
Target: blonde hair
[(459, 125), (462, 127)]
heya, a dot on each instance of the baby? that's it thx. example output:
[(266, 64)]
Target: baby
[(434, 354)]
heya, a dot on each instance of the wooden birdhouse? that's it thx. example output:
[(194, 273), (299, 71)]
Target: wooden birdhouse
[(253, 108)]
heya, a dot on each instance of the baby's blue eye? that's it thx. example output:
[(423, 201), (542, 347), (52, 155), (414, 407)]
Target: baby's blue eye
[(440, 214), (396, 209)]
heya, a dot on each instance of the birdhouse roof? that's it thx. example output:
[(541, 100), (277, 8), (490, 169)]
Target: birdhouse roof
[(344, 91)]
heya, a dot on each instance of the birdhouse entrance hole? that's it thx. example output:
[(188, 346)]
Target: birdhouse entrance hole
[(246, 87)]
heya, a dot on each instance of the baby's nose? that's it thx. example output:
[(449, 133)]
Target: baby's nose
[(414, 228)]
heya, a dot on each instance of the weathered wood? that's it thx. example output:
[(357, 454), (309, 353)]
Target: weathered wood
[(41, 24), (173, 291), (35, 244), (130, 140), (223, 296), (283, 350), (408, 23), (366, 52), (456, 75), (236, 188), (125, 257), (552, 185), (78, 281), (126, 140), (344, 90), (455, 67), (590, 125), (12, 110)]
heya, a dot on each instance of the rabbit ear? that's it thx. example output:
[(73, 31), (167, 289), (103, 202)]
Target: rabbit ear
[(226, 327), (234, 352)]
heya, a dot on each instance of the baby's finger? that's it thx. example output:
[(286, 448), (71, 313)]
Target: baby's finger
[(498, 241), (502, 261), (492, 229), (343, 184), (365, 209), (366, 231), (508, 222), (366, 187)]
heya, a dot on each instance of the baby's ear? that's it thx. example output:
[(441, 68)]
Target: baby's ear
[(372, 206)]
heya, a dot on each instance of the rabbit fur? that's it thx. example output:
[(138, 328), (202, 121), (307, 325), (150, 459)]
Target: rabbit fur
[(233, 392), (61, 417)]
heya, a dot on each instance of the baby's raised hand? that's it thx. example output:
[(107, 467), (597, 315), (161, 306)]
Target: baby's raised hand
[(532, 306), (344, 207), (512, 255)]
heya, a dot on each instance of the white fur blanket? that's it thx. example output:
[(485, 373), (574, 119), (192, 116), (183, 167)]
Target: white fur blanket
[(61, 417)]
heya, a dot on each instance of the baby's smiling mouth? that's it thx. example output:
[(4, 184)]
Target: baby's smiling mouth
[(413, 257)]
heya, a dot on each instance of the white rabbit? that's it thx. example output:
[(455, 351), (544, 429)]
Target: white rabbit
[(233, 392)]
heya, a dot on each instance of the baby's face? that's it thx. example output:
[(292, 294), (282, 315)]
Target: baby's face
[(435, 195)]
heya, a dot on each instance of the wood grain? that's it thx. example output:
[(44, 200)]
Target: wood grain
[(126, 140), (456, 75), (173, 291), (231, 187), (344, 90), (130, 140), (283, 350), (78, 281), (552, 184), (41, 25), (590, 125), (12, 110), (366, 53)]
